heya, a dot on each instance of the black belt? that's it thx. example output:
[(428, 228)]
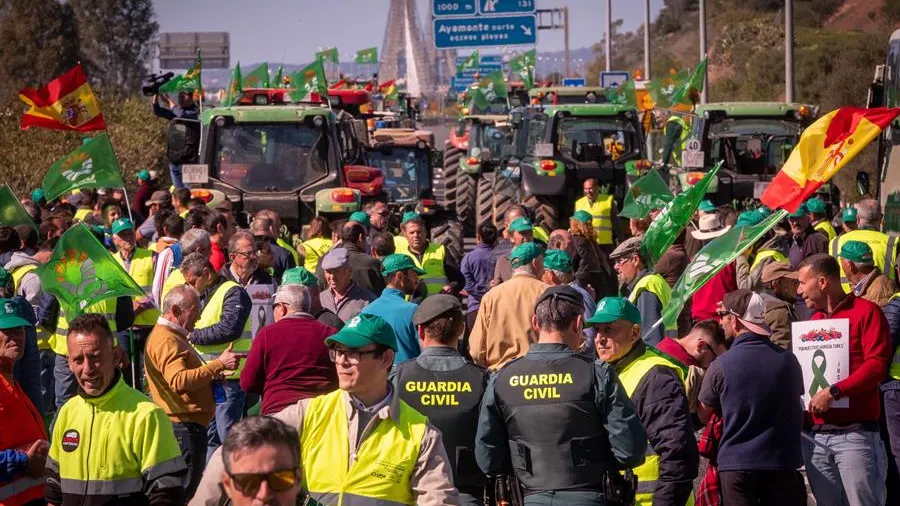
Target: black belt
[(853, 427)]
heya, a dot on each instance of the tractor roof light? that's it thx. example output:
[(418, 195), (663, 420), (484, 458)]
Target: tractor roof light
[(342, 196), (801, 112), (548, 165), (472, 160)]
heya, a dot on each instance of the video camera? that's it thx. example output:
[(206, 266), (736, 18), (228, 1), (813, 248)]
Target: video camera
[(154, 81)]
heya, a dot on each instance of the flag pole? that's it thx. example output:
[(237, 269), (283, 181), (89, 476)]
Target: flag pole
[(127, 204), (651, 329), (131, 352)]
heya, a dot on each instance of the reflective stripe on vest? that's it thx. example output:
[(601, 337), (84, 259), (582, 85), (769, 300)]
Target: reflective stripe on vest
[(776, 256), (81, 214), (433, 265), (648, 472), (681, 142), (141, 271), (884, 251), (22, 491), (107, 308), (382, 472), (601, 212), (211, 315), (655, 284), (281, 242), (18, 274), (314, 249), (826, 228)]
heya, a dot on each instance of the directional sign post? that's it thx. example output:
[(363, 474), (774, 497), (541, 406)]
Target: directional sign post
[(613, 79), (452, 33), (491, 7), (574, 81)]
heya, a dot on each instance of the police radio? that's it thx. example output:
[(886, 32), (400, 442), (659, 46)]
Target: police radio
[(619, 490)]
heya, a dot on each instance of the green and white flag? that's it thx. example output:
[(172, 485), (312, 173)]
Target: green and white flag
[(329, 55), (367, 56), (11, 211), (646, 194), (470, 63), (309, 79), (92, 165), (522, 66), (257, 78), (235, 87)]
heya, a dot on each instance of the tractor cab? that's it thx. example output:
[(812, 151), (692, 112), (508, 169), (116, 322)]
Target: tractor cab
[(563, 95)]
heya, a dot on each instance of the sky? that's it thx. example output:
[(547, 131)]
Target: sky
[(291, 31)]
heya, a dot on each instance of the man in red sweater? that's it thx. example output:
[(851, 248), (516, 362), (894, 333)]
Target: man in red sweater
[(845, 458), (289, 360)]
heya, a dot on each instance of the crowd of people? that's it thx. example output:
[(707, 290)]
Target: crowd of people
[(535, 368)]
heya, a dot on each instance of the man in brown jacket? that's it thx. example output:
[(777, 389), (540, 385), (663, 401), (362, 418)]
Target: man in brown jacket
[(180, 382), (865, 278), (781, 283)]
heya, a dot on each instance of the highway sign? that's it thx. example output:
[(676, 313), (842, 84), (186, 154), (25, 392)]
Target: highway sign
[(453, 8), (574, 81), (612, 79), (490, 59), (452, 33), (178, 50), (491, 7), (460, 84)]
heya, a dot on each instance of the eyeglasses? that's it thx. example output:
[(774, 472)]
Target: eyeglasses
[(352, 356), (247, 254), (622, 260), (279, 481), (725, 312)]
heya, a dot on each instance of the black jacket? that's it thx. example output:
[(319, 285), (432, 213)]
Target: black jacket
[(592, 267), (366, 270), (283, 260)]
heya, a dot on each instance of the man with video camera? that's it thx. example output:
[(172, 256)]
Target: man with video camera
[(186, 109)]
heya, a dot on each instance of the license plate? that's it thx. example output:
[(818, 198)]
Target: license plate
[(692, 159), (195, 173)]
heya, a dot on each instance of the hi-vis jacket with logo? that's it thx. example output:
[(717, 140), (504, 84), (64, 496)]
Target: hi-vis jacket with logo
[(118, 448)]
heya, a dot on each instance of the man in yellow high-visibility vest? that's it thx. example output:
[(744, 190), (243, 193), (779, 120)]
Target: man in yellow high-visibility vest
[(601, 209)]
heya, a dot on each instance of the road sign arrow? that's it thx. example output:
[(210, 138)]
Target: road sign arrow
[(526, 30)]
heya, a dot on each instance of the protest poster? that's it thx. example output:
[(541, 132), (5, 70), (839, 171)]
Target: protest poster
[(262, 313), (823, 349)]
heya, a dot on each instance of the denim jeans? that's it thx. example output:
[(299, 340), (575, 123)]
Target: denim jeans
[(175, 172), (228, 413), (850, 472), (48, 358), (64, 386), (192, 441)]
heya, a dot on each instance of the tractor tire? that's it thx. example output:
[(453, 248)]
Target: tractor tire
[(450, 174), (484, 205), (449, 234), (466, 194), (505, 194), (546, 212)]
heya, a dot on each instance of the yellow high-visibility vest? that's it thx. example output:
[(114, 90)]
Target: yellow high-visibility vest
[(18, 274), (107, 308), (884, 251), (767, 253), (315, 249), (141, 270), (601, 214), (175, 278), (894, 370), (826, 228), (211, 315), (281, 242), (681, 142), (655, 284), (432, 263)]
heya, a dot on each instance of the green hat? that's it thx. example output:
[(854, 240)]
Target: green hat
[(299, 276), (558, 260), (524, 254), (399, 262), (5, 277), (848, 215), (815, 205), (521, 224), (857, 251), (361, 217), (611, 309), (707, 206), (582, 216), (800, 212), (37, 195), (122, 224), (144, 175), (764, 211), (409, 215), (362, 330), (9, 316), (749, 218)]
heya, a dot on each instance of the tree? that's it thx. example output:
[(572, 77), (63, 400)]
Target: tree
[(116, 39), (38, 41)]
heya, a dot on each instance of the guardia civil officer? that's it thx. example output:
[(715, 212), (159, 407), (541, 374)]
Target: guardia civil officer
[(446, 388), (561, 420)]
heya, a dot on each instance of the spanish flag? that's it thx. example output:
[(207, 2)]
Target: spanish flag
[(66, 103), (823, 148)]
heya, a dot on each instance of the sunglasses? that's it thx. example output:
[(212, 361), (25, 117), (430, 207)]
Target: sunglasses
[(278, 481)]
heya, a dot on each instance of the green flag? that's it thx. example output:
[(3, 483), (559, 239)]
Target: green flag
[(309, 79), (624, 94), (278, 81), (257, 78), (92, 165), (662, 89), (522, 66), (674, 217), (470, 63), (646, 194), (11, 211), (689, 92), (366, 56), (235, 88), (328, 55), (81, 272), (718, 253), (189, 81), (493, 86)]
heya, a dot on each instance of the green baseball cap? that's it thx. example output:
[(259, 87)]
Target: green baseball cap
[(5, 277), (299, 276), (582, 216), (144, 175), (399, 262), (856, 251), (9, 316), (800, 212), (524, 253), (408, 215), (37, 195), (749, 218), (815, 205), (848, 215), (361, 217), (707, 206), (558, 260), (362, 330), (611, 309), (521, 224), (122, 224)]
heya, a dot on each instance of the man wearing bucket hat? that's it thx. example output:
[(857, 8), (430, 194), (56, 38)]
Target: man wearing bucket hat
[(865, 277), (756, 388), (401, 275), (704, 301), (820, 222), (805, 240), (644, 288), (364, 420), (655, 384)]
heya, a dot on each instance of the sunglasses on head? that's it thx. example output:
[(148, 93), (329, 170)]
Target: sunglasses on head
[(278, 481)]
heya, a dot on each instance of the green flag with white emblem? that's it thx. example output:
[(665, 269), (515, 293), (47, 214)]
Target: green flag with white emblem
[(92, 165)]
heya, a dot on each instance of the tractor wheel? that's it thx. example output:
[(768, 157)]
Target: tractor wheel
[(485, 202), (449, 233), (546, 212), (505, 194), (450, 174), (466, 193)]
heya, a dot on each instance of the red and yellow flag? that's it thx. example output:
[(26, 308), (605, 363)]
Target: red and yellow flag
[(823, 148), (66, 103)]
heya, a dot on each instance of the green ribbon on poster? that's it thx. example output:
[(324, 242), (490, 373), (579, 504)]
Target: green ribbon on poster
[(818, 382)]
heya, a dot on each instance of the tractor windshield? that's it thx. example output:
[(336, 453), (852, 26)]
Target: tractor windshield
[(484, 136), (753, 146), (402, 167), (616, 136), (270, 156)]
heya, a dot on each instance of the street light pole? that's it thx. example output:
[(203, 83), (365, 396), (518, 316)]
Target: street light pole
[(647, 39), (608, 34), (789, 50), (703, 95)]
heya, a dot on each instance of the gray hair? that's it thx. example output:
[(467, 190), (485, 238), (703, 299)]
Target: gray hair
[(524, 269), (183, 296), (868, 212), (240, 235), (295, 296), (254, 432), (565, 277), (195, 240), (261, 225), (195, 264)]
